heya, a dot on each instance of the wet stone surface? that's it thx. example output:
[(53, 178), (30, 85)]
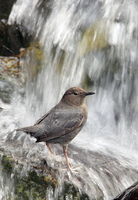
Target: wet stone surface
[(36, 184), (34, 174)]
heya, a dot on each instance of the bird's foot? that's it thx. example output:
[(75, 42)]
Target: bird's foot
[(71, 169), (75, 169)]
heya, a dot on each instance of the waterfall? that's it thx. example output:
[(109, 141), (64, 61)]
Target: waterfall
[(91, 44)]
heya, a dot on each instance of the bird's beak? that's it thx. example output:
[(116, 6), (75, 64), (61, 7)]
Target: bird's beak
[(89, 93)]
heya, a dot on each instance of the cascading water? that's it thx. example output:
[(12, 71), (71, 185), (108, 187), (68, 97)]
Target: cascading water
[(92, 44)]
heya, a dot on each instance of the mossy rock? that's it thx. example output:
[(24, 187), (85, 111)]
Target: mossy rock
[(35, 185), (7, 164)]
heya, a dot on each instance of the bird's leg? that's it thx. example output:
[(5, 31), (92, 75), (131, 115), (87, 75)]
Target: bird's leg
[(65, 153), (47, 144)]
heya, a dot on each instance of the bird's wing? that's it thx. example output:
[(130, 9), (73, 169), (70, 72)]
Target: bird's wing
[(57, 124), (41, 119), (46, 115)]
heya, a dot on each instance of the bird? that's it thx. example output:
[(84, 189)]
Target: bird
[(63, 122)]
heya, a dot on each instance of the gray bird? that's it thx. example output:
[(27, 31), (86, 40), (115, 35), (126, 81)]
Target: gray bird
[(63, 122)]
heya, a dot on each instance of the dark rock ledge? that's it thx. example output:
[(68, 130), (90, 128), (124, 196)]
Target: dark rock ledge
[(130, 193)]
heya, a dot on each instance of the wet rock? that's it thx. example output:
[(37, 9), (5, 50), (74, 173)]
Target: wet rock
[(34, 184), (130, 193), (93, 170), (10, 66)]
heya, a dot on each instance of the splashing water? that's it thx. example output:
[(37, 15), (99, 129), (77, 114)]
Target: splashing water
[(92, 44)]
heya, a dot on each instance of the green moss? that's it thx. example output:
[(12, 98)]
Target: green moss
[(7, 164), (34, 185)]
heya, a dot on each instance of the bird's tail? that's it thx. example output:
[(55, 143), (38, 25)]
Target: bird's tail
[(27, 130), (35, 131)]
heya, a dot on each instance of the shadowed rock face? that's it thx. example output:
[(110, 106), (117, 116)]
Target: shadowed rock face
[(12, 38), (5, 8), (15, 36)]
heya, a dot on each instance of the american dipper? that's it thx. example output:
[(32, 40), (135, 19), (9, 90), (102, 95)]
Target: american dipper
[(63, 122)]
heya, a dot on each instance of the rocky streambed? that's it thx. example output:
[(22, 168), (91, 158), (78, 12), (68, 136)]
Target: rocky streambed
[(29, 171)]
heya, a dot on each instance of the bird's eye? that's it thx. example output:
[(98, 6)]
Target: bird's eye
[(75, 93)]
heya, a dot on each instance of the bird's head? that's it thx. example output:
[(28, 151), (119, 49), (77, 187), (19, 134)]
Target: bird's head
[(75, 96)]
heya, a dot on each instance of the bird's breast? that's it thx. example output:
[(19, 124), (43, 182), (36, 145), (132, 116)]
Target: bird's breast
[(84, 111)]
